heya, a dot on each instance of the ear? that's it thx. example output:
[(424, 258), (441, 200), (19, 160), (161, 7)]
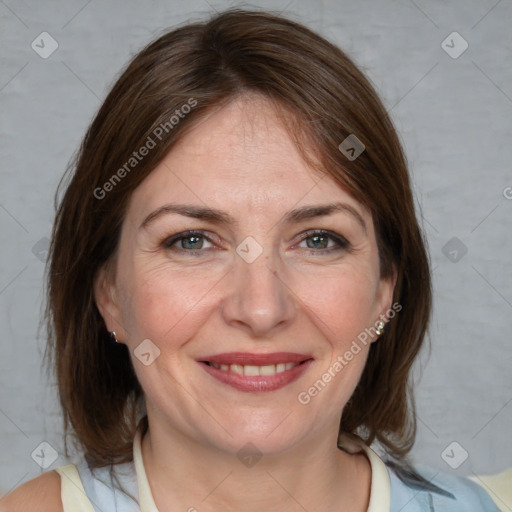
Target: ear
[(106, 300), (385, 293)]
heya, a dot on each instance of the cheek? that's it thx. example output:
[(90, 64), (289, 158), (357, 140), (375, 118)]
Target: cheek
[(342, 301), (341, 309), (167, 308), (162, 305)]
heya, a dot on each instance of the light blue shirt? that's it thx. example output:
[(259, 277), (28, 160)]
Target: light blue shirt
[(456, 493), (125, 487)]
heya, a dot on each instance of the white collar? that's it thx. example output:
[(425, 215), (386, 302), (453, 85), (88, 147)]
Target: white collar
[(380, 489), (146, 501)]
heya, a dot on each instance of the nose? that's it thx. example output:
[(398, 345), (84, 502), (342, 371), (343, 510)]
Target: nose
[(258, 300)]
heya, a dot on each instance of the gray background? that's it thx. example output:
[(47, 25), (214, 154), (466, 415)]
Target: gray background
[(454, 117)]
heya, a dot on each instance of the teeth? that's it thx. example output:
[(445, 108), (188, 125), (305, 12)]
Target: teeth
[(268, 369), (251, 371), (254, 371), (237, 368)]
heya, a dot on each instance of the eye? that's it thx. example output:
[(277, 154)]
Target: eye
[(318, 241), (188, 241), (324, 241)]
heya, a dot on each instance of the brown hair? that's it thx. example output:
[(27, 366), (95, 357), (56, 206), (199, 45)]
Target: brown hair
[(234, 53)]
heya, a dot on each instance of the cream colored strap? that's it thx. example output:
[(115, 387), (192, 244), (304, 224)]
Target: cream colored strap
[(380, 496), (146, 502), (72, 491), (380, 490), (499, 487)]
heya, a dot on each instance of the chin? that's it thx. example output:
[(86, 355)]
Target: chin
[(270, 437)]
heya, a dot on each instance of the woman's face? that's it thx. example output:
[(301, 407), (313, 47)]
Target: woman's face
[(257, 277)]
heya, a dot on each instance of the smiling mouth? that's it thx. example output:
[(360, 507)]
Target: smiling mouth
[(253, 370), (256, 378)]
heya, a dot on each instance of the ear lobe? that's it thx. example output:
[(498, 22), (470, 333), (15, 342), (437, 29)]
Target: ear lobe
[(107, 304)]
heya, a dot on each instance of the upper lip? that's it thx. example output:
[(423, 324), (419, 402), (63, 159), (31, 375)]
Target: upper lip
[(247, 358)]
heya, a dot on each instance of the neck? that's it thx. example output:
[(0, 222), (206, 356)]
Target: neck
[(187, 475)]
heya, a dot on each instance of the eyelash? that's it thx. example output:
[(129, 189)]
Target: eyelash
[(341, 242)]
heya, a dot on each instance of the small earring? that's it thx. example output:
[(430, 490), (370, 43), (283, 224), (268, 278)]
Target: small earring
[(114, 337), (380, 328)]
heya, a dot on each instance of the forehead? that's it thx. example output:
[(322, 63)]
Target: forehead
[(240, 155)]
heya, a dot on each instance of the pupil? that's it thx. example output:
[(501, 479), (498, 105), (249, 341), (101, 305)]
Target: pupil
[(194, 239), (318, 238)]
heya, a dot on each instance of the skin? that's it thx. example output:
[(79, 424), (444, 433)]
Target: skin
[(297, 296)]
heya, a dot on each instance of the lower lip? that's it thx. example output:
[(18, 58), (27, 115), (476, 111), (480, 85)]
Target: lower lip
[(259, 383)]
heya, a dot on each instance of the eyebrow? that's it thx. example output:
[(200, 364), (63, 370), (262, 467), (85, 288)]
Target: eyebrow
[(220, 217)]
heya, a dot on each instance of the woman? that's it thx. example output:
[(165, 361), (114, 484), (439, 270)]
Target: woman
[(239, 286)]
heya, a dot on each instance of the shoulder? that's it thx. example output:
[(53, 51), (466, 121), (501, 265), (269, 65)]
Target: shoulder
[(444, 491), (41, 493)]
